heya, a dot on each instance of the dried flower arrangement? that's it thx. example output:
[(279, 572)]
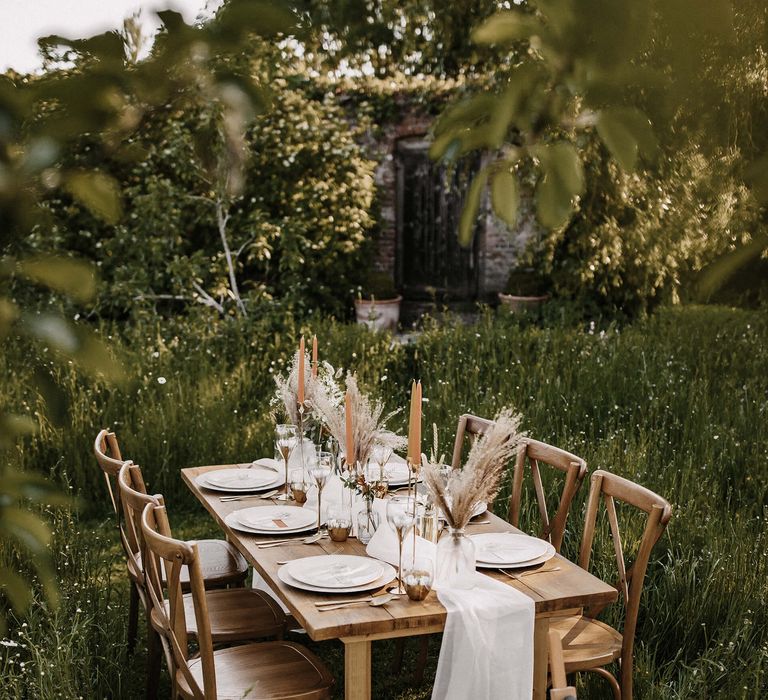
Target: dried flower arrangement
[(479, 480), (368, 423), (323, 387)]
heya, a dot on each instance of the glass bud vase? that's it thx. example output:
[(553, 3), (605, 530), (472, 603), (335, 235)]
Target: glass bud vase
[(367, 522), (455, 560)]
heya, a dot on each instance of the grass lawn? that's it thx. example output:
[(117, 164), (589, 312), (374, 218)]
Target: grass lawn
[(678, 402)]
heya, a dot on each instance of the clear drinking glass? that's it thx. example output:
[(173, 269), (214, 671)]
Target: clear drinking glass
[(381, 455), (286, 435), (320, 472), (401, 515)]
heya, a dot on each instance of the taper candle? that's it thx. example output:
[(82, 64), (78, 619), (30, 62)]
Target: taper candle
[(350, 443), (314, 356), (301, 371)]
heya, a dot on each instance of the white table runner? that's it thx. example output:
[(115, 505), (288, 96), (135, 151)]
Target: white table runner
[(487, 649)]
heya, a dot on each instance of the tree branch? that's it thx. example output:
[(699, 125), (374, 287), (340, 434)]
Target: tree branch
[(207, 299), (222, 219)]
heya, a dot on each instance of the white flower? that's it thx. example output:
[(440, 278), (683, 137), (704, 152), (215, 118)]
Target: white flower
[(161, 380)]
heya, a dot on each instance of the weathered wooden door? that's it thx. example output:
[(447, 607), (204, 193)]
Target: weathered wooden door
[(430, 261)]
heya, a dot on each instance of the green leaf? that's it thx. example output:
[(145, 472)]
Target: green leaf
[(12, 426), (756, 176), (504, 195), (98, 192), (26, 528), (627, 133), (718, 272), (9, 312), (75, 278), (505, 27), (16, 589), (94, 356), (240, 17), (53, 330), (471, 207), (562, 180)]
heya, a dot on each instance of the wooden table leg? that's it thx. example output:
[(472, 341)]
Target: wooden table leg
[(540, 657), (357, 669)]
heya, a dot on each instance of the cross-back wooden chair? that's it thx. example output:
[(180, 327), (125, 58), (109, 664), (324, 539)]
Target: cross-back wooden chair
[(560, 689), (222, 564), (588, 644), (574, 468), (469, 426), (235, 614), (265, 670), (107, 453)]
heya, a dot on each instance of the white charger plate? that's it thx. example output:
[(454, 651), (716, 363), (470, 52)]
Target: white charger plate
[(523, 565), (267, 517), (276, 480), (507, 548), (336, 570), (397, 473), (235, 524), (284, 574), (240, 478)]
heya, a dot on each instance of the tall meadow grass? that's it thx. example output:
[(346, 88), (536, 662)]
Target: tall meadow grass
[(678, 402)]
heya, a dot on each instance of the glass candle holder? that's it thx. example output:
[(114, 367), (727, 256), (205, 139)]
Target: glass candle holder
[(299, 486), (418, 579)]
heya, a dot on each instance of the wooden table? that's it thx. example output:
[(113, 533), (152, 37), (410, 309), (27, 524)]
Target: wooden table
[(569, 588)]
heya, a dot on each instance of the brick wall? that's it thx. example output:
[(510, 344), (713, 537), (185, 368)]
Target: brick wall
[(498, 247)]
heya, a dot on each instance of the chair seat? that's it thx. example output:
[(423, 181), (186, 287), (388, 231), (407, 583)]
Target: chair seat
[(220, 562), (265, 671), (587, 643), (235, 614)]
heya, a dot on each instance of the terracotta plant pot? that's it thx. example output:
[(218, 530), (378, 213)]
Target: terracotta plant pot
[(516, 303), (379, 314)]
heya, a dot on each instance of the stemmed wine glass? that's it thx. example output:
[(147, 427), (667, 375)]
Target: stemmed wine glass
[(381, 455), (401, 515), (320, 473), (285, 441)]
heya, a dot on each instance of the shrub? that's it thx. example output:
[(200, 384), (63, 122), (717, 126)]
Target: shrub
[(298, 229)]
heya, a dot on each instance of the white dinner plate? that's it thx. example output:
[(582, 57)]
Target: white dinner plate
[(507, 548), (397, 473), (284, 574), (275, 481), (280, 518), (336, 570), (251, 479), (479, 509), (235, 524), (522, 565)]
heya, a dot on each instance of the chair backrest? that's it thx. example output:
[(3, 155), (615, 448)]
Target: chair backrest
[(174, 555), (110, 464), (612, 487), (469, 426), (133, 499), (574, 468), (560, 689)]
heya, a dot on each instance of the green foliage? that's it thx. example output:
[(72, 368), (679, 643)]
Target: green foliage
[(641, 238), (298, 227), (644, 401), (378, 285), (599, 69), (40, 119), (384, 37)]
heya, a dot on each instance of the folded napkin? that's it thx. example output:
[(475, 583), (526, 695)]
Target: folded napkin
[(383, 544), (487, 649)]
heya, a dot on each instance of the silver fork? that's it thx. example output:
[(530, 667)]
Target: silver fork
[(265, 496), (528, 573)]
